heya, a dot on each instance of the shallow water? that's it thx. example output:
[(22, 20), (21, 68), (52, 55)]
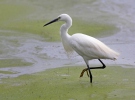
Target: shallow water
[(26, 53)]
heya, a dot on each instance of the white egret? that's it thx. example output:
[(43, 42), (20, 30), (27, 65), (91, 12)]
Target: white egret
[(86, 46)]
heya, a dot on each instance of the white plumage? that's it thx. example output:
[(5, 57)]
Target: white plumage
[(86, 46), (91, 48)]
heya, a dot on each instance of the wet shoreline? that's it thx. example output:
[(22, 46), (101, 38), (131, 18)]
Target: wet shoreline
[(44, 55), (26, 52)]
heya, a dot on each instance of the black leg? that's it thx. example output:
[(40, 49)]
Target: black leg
[(89, 73), (99, 67), (88, 68)]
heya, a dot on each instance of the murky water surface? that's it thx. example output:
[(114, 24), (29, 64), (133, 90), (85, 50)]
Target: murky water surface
[(26, 53)]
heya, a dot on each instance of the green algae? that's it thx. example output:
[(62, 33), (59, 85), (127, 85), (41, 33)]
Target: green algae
[(7, 72), (19, 16), (112, 83), (13, 63), (12, 12)]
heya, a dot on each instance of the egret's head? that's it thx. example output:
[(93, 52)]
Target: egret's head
[(62, 17)]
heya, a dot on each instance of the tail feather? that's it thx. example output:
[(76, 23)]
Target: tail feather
[(116, 55)]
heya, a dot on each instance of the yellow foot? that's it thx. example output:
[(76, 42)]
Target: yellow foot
[(86, 69)]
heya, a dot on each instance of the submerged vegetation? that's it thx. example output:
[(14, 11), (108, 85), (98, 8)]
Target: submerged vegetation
[(112, 83)]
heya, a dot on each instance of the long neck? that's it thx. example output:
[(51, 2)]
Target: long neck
[(64, 28), (65, 37)]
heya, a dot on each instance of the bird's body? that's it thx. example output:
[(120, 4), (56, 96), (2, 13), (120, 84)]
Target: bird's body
[(91, 48), (86, 46)]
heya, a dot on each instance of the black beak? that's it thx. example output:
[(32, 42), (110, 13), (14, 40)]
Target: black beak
[(52, 21)]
